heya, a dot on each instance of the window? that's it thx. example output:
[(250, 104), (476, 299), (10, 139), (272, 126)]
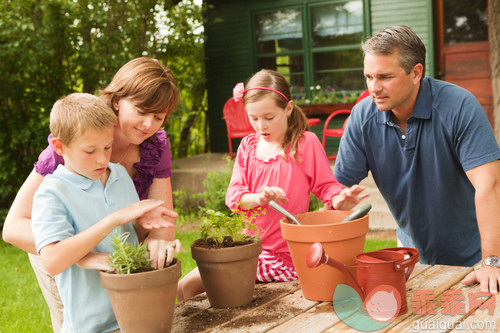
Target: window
[(465, 21), (314, 45), (279, 44)]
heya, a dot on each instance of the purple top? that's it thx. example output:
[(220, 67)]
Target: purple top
[(156, 162)]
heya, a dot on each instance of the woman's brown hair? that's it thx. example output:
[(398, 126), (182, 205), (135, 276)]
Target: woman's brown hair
[(147, 84)]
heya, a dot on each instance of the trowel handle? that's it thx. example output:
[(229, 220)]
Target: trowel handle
[(359, 213), (406, 263)]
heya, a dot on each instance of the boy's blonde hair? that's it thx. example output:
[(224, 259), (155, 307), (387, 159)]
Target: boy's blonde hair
[(297, 121), (146, 84), (76, 113)]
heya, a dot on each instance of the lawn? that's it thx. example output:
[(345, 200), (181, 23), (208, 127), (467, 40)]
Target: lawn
[(22, 306)]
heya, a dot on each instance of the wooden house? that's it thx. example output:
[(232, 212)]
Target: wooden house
[(318, 43)]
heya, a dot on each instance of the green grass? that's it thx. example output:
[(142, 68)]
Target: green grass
[(376, 244), (22, 306)]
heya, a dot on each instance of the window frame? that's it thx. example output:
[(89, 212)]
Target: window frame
[(307, 52)]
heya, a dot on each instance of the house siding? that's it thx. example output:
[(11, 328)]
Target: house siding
[(229, 45), (416, 14)]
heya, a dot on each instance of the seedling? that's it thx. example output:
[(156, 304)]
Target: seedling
[(217, 225), (128, 257)]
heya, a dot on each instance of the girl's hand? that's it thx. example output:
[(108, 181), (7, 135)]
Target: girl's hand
[(271, 193), (252, 200), (349, 197)]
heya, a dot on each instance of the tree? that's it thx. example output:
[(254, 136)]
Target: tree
[(494, 38), (50, 48)]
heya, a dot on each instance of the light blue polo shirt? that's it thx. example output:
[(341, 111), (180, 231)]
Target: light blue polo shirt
[(421, 173), (64, 205)]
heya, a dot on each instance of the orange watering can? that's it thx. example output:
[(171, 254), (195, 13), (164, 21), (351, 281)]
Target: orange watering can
[(391, 266)]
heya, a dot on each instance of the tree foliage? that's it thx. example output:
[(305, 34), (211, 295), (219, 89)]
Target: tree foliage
[(50, 48)]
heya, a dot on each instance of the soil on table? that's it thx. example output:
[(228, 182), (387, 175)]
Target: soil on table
[(207, 319), (228, 241)]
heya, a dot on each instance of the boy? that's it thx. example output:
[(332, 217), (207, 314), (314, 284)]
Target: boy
[(80, 204)]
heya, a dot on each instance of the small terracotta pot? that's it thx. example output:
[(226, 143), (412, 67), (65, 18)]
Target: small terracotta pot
[(228, 274), (143, 302), (343, 241)]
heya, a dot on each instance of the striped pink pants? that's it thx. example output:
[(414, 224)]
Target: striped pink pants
[(272, 269)]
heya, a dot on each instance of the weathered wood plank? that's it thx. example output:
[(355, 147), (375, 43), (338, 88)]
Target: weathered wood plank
[(281, 307), (268, 316), (482, 320), (196, 314), (316, 319), (436, 278), (449, 311)]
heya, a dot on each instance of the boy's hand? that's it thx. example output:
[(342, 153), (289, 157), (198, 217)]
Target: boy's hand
[(148, 213)]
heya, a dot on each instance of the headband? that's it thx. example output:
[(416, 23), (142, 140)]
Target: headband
[(239, 90)]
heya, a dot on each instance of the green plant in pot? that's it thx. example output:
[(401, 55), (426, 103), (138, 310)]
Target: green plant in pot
[(143, 299), (227, 257)]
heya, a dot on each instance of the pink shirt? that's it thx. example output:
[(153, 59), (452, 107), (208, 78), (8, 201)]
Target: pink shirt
[(311, 173)]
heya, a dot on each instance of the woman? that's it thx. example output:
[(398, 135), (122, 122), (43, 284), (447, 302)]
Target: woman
[(143, 94)]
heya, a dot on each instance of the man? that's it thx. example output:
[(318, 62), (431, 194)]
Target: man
[(432, 154)]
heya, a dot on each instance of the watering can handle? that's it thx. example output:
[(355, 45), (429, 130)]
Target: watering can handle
[(406, 263)]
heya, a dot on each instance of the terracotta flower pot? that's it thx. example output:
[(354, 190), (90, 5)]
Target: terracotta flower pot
[(343, 241), (228, 274), (143, 302)]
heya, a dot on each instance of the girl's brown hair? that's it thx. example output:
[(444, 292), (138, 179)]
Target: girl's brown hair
[(297, 121), (147, 84)]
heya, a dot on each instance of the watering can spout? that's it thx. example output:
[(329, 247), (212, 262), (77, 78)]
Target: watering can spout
[(386, 267), (317, 256)]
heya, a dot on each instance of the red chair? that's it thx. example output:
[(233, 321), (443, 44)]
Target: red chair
[(338, 131), (313, 121), (237, 123)]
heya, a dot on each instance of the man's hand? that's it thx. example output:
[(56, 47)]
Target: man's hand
[(487, 276)]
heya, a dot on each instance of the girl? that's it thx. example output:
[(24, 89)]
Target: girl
[(143, 94), (283, 162)]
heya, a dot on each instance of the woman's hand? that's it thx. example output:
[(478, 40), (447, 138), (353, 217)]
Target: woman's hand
[(161, 251), (349, 197), (153, 217)]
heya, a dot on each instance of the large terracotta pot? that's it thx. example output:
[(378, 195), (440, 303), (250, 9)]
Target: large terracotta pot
[(228, 274), (343, 241), (143, 302)]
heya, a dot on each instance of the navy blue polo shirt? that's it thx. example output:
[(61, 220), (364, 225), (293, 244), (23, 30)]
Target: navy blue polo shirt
[(421, 173)]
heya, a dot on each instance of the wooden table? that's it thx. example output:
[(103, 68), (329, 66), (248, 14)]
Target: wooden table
[(281, 307)]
